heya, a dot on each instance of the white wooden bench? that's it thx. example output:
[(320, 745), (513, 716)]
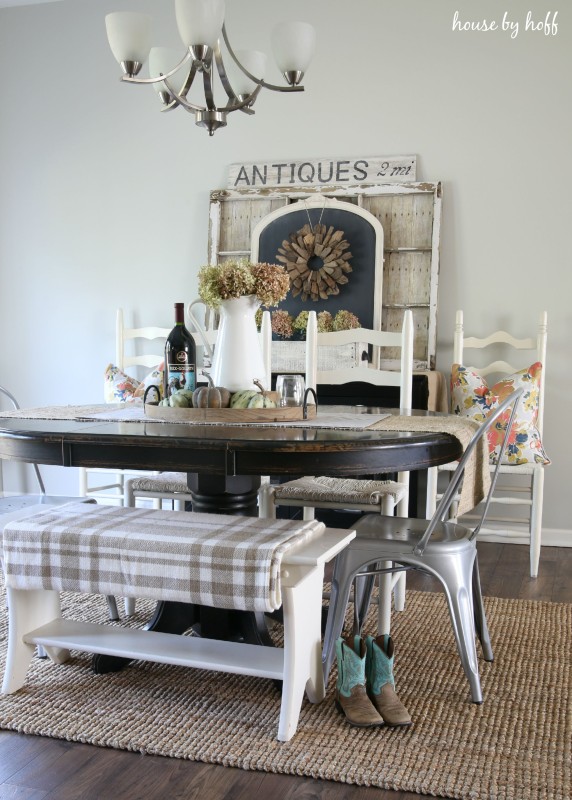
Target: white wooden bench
[(35, 613)]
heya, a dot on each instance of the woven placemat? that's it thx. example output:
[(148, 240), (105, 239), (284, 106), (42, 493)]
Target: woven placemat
[(516, 746)]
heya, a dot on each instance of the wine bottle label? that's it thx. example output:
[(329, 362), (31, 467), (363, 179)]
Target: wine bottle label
[(180, 375)]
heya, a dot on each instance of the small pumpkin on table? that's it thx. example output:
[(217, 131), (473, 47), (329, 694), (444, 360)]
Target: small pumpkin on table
[(211, 396), (252, 398)]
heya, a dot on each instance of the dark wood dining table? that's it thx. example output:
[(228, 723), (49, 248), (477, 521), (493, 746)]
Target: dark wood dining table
[(224, 464)]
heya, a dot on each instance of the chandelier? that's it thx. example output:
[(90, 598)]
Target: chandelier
[(201, 25)]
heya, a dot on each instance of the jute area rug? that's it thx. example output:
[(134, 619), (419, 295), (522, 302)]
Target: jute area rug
[(516, 746)]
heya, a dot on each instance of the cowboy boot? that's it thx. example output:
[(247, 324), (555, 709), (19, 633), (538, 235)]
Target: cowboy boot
[(351, 695), (380, 682)]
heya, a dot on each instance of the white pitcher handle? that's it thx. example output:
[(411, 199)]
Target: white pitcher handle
[(198, 327)]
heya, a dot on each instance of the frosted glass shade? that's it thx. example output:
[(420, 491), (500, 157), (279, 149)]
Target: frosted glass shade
[(252, 60), (129, 35), (199, 21), (161, 61), (293, 44)]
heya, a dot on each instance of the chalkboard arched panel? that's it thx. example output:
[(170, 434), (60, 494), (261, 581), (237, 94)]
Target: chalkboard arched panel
[(362, 231)]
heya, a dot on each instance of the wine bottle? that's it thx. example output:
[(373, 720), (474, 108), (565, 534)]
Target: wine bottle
[(180, 356)]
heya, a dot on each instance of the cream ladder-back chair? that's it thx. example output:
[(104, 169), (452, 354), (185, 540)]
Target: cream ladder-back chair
[(522, 484), (115, 488), (381, 497), (173, 485)]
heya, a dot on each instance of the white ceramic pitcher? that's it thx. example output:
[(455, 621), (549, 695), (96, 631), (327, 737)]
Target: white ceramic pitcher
[(237, 360)]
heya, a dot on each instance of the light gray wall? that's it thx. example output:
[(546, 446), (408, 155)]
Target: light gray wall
[(103, 200)]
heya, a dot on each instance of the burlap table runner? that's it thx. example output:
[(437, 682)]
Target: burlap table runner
[(477, 478), (62, 412)]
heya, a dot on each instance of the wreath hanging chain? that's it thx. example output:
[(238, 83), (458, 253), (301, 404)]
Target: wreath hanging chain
[(317, 260)]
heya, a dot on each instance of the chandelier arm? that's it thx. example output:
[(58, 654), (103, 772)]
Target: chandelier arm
[(189, 80), (232, 96), (181, 100), (174, 103), (246, 105), (252, 77), (234, 104), (170, 106), (171, 72), (208, 85)]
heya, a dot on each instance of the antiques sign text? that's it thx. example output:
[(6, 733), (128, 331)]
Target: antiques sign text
[(323, 172)]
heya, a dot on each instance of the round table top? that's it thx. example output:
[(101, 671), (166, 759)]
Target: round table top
[(224, 449)]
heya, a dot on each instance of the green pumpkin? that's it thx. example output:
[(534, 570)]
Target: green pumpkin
[(180, 400), (241, 398), (261, 400)]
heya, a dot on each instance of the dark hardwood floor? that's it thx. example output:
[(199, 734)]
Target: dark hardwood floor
[(34, 768)]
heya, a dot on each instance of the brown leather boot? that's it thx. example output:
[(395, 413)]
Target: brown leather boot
[(351, 695), (380, 683)]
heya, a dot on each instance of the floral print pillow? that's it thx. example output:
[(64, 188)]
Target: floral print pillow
[(154, 378), (472, 397), (121, 388)]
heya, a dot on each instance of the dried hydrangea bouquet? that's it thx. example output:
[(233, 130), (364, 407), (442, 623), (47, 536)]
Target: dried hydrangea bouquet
[(237, 288)]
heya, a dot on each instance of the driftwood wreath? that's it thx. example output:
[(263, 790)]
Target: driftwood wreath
[(317, 259)]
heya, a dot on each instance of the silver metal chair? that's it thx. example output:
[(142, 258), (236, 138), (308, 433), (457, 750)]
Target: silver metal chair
[(441, 547)]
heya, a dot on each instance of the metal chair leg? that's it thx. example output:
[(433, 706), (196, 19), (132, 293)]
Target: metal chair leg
[(481, 626), (456, 576), (342, 580)]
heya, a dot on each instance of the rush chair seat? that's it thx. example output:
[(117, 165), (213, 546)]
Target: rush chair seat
[(439, 546)]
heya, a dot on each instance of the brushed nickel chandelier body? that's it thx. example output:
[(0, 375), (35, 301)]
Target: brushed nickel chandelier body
[(201, 26)]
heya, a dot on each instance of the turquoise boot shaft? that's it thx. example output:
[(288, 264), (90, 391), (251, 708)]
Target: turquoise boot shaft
[(351, 666), (381, 683), (351, 694), (379, 662)]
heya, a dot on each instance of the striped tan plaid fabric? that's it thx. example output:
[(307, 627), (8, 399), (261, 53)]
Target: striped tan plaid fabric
[(210, 559)]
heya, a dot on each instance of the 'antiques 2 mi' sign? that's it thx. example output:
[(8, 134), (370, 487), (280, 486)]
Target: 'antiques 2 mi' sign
[(323, 172)]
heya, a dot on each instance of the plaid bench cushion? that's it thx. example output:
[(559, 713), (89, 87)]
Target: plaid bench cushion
[(210, 559)]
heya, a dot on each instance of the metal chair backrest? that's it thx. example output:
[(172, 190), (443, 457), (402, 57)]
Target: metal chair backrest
[(363, 371), (449, 495), (15, 405), (442, 510)]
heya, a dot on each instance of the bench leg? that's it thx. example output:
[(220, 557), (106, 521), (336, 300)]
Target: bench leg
[(27, 610), (302, 608)]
